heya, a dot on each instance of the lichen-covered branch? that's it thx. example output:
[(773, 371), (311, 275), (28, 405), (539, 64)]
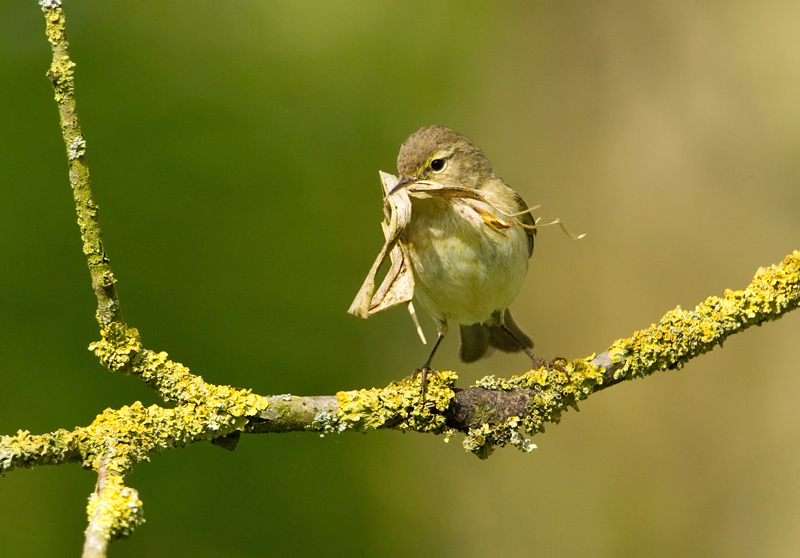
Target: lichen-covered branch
[(492, 413), (497, 411), (678, 337), (24, 449), (114, 512), (61, 75)]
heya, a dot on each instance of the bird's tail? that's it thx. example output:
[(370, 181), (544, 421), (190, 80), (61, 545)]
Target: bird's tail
[(479, 340)]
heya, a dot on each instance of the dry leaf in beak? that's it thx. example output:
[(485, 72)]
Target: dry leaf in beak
[(398, 284)]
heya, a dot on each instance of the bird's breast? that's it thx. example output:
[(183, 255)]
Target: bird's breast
[(468, 259)]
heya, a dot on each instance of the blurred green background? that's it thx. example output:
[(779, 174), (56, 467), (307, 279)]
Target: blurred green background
[(235, 151)]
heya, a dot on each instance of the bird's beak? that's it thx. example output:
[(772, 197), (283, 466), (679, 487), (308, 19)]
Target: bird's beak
[(403, 182)]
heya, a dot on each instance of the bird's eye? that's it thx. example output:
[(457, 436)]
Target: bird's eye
[(437, 165)]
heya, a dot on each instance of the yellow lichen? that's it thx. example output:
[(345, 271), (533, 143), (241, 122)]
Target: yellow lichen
[(123, 437), (682, 334), (553, 391), (399, 405), (24, 449), (482, 440), (115, 510), (54, 21), (175, 382), (118, 345)]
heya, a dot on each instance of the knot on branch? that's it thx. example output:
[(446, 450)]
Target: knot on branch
[(117, 347), (496, 412)]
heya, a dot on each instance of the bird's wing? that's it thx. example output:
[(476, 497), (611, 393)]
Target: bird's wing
[(526, 219)]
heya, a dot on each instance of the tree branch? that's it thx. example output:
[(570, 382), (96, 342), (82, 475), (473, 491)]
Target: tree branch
[(114, 511), (24, 450), (61, 76), (490, 412)]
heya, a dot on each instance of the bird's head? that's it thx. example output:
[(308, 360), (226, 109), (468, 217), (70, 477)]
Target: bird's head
[(438, 154)]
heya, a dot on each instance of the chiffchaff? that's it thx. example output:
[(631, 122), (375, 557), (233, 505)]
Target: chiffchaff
[(468, 255)]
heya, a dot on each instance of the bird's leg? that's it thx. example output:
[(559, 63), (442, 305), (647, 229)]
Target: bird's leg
[(537, 361), (426, 368)]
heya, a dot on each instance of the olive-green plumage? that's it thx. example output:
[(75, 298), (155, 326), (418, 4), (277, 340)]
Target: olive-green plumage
[(469, 257)]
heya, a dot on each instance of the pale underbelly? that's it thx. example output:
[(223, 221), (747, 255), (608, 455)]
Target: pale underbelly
[(463, 274)]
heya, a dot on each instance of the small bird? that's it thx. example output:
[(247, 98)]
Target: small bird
[(468, 253)]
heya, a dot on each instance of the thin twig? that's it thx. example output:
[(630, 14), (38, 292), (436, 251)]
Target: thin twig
[(97, 533), (61, 76)]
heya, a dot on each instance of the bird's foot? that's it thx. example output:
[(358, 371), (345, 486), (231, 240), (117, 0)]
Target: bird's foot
[(424, 371), (555, 364)]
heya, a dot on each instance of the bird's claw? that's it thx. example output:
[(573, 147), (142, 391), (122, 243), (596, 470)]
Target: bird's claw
[(557, 363), (424, 371)]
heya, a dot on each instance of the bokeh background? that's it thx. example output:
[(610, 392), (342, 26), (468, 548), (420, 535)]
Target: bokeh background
[(235, 151)]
